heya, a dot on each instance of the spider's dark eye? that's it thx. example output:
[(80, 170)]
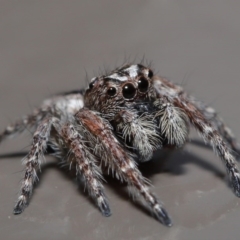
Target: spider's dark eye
[(128, 91), (150, 73), (91, 85), (112, 91), (143, 84)]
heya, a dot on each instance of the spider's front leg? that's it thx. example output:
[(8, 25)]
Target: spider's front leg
[(107, 147)]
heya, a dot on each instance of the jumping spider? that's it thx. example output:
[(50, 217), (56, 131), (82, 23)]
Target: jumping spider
[(116, 123)]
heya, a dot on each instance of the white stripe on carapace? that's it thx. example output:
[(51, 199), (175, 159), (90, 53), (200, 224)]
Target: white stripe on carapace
[(118, 77), (132, 70), (93, 79)]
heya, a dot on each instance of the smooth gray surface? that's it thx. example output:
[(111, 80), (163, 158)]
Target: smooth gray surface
[(48, 46)]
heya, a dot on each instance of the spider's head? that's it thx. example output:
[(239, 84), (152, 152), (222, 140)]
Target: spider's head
[(122, 88)]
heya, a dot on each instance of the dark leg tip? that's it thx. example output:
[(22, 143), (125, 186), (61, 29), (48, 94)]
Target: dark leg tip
[(168, 222), (235, 181), (237, 192), (107, 213), (19, 208), (163, 217), (105, 209)]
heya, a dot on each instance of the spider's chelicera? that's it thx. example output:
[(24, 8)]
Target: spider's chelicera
[(118, 122)]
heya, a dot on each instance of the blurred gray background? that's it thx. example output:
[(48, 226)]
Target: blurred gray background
[(48, 47)]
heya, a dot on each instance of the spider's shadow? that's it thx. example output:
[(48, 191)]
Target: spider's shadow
[(174, 162), (169, 161), (161, 162)]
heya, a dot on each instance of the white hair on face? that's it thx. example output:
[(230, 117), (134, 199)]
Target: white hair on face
[(118, 77), (132, 70), (93, 79)]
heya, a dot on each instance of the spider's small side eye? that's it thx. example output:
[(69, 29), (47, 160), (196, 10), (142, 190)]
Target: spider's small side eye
[(92, 83), (112, 91), (143, 84), (128, 91), (150, 73)]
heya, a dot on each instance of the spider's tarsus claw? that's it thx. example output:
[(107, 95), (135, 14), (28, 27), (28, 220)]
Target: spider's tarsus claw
[(107, 213), (18, 208), (236, 192), (235, 180), (105, 209), (163, 217)]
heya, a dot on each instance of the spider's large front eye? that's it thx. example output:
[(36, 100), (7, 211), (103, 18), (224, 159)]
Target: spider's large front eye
[(128, 91), (112, 91), (143, 84)]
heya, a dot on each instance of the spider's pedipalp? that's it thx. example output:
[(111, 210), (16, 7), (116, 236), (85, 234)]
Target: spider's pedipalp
[(86, 167), (33, 162), (140, 131), (173, 122), (120, 160)]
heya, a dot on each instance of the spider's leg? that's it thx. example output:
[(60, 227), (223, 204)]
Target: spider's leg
[(217, 122), (99, 133), (86, 166), (199, 121), (22, 124), (33, 161), (213, 136), (67, 103)]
